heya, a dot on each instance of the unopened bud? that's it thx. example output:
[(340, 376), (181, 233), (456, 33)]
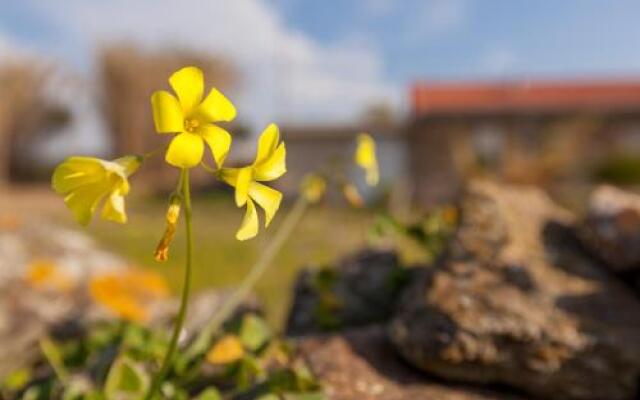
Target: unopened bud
[(352, 195), (173, 214)]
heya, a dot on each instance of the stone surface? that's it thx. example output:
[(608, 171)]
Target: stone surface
[(359, 290), (611, 229), (27, 312), (516, 302), (361, 364)]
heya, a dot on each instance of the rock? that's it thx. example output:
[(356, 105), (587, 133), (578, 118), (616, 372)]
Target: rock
[(26, 312), (55, 298), (611, 229), (360, 290), (361, 364), (516, 302)]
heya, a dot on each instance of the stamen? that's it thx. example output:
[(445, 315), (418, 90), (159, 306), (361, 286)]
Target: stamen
[(190, 125)]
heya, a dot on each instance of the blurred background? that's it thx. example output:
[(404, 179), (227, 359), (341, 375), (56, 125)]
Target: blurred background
[(543, 93)]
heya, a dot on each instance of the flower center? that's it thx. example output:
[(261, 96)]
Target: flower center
[(191, 125)]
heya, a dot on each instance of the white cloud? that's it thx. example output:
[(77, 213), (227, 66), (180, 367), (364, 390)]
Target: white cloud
[(287, 75), (436, 17), (377, 8), (498, 61)]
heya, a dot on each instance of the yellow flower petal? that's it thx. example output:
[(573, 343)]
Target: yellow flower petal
[(128, 165), (365, 157), (242, 185), (267, 198), (128, 294), (219, 142), (267, 143), (114, 210), (226, 350), (188, 83), (185, 150), (75, 172), (273, 167), (216, 107), (167, 112), (83, 201), (230, 175), (249, 227)]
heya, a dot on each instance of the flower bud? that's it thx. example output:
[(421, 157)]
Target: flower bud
[(352, 195), (173, 214), (313, 188)]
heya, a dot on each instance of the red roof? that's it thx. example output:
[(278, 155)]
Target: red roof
[(525, 96)]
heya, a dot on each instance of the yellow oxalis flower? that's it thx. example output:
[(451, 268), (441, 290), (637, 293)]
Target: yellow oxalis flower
[(269, 165), (366, 158), (226, 350), (45, 274), (313, 187), (192, 119), (86, 181), (129, 294)]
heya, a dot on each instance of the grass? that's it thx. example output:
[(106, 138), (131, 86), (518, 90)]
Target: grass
[(324, 235)]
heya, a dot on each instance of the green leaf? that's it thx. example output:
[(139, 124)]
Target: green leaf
[(126, 380), (53, 354), (254, 332), (17, 379), (209, 394)]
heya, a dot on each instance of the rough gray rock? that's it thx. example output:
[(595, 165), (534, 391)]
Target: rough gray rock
[(516, 302), (360, 290), (611, 229), (361, 364)]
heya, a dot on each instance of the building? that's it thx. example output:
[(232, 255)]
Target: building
[(330, 148), (531, 131)]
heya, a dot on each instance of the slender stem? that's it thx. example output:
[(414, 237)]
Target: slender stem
[(256, 271), (173, 344)]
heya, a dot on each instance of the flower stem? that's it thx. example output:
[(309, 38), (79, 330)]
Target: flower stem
[(173, 344), (274, 246)]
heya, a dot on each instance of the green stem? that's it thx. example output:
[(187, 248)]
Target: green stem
[(173, 344), (202, 342)]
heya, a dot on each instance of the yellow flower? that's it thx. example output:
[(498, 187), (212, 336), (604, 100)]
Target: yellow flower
[(191, 118), (268, 166), (226, 350), (86, 181), (366, 158), (128, 295), (313, 187), (45, 274)]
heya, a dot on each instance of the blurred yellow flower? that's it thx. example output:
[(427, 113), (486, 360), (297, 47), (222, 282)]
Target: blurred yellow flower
[(351, 193), (128, 294), (366, 158), (45, 274), (191, 118), (86, 181), (226, 350), (313, 187), (269, 165)]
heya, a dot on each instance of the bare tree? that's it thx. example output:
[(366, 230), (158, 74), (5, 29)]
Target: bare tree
[(25, 112)]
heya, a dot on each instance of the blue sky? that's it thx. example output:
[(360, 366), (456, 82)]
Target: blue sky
[(482, 38), (310, 60)]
